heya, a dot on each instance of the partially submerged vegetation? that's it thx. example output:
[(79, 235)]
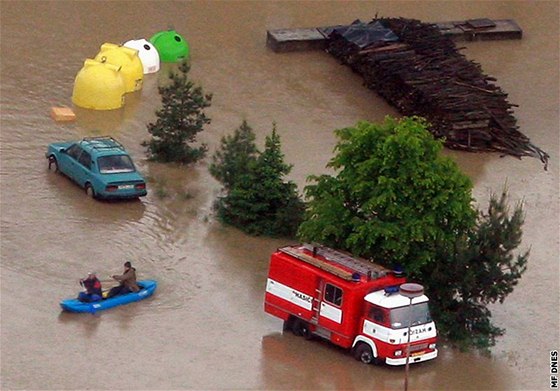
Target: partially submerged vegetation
[(256, 197), (393, 198), (396, 200), (179, 120)]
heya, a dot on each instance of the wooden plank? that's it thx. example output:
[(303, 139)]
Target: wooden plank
[(300, 39)]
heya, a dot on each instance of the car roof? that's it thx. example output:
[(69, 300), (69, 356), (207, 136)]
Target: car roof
[(102, 146)]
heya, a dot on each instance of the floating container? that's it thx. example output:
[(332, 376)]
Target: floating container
[(171, 46), (147, 52), (62, 114), (99, 86), (128, 60)]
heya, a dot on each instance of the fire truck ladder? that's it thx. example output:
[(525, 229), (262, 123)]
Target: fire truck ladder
[(296, 253), (338, 257), (360, 265)]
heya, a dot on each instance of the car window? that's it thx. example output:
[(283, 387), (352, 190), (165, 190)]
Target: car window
[(85, 160), (74, 151), (115, 164)]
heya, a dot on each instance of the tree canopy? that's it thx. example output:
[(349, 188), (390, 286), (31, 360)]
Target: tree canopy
[(481, 269), (179, 120), (256, 197), (393, 198), (396, 200), (234, 156)]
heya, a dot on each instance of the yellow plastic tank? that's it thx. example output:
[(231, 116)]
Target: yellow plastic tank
[(99, 86), (129, 61)]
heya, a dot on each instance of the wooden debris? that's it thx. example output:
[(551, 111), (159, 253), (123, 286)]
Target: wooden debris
[(425, 75), (62, 114)]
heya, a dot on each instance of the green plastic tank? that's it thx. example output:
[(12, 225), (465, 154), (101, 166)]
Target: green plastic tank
[(171, 46), (99, 86), (129, 61)]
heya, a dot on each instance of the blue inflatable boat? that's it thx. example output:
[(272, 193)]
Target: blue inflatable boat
[(147, 288)]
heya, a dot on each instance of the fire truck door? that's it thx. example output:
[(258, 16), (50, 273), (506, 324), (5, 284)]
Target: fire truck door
[(330, 309)]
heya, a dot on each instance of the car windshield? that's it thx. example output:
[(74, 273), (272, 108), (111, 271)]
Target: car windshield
[(420, 314), (115, 164)]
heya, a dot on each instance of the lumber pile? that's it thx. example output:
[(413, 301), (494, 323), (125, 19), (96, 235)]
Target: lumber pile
[(424, 74)]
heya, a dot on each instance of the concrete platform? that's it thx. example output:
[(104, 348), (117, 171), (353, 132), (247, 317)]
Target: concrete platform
[(293, 40), (481, 29), (314, 38)]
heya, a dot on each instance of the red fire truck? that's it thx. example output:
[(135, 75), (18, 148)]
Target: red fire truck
[(354, 303)]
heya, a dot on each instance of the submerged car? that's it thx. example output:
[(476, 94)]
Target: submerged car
[(100, 165)]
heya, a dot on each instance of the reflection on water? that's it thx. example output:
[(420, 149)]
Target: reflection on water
[(86, 323), (293, 359), (72, 198)]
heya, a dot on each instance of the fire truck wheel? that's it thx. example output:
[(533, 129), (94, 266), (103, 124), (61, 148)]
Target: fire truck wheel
[(287, 325), (301, 329), (364, 353)]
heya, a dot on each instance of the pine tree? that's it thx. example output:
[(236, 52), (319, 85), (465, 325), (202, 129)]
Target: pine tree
[(257, 200), (481, 270), (234, 156), (179, 120)]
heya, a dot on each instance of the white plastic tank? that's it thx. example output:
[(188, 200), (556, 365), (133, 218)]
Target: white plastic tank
[(147, 52)]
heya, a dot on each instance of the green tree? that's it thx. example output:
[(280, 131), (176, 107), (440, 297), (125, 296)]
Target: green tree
[(257, 200), (394, 198), (234, 156), (179, 120), (482, 269)]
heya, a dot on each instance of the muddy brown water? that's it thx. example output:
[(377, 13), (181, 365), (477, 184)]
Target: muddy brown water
[(205, 328)]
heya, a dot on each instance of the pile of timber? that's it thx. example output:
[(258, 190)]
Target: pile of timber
[(424, 74)]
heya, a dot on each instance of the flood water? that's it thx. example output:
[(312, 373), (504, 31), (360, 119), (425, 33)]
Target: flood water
[(205, 328)]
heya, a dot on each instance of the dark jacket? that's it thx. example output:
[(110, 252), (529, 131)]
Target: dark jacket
[(128, 279), (92, 285)]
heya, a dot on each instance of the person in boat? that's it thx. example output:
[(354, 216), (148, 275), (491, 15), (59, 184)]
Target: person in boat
[(127, 281), (92, 287)]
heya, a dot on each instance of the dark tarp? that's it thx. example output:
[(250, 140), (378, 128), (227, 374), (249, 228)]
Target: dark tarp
[(364, 34)]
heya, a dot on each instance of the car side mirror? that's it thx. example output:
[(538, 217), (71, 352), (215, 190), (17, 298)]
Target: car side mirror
[(63, 150)]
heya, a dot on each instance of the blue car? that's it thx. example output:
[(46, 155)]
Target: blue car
[(100, 165)]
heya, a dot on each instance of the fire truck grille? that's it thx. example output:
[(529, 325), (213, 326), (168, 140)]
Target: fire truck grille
[(416, 348)]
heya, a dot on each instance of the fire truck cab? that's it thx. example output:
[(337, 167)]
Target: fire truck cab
[(354, 303)]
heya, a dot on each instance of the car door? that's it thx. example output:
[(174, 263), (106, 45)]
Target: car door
[(83, 169), (68, 161)]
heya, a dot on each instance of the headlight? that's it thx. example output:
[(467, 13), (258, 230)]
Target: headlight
[(432, 346), (398, 353)]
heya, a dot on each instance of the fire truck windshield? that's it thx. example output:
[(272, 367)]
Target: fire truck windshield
[(420, 314)]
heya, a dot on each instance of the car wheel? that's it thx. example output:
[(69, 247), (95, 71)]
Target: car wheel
[(89, 191), (364, 353), (53, 164)]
